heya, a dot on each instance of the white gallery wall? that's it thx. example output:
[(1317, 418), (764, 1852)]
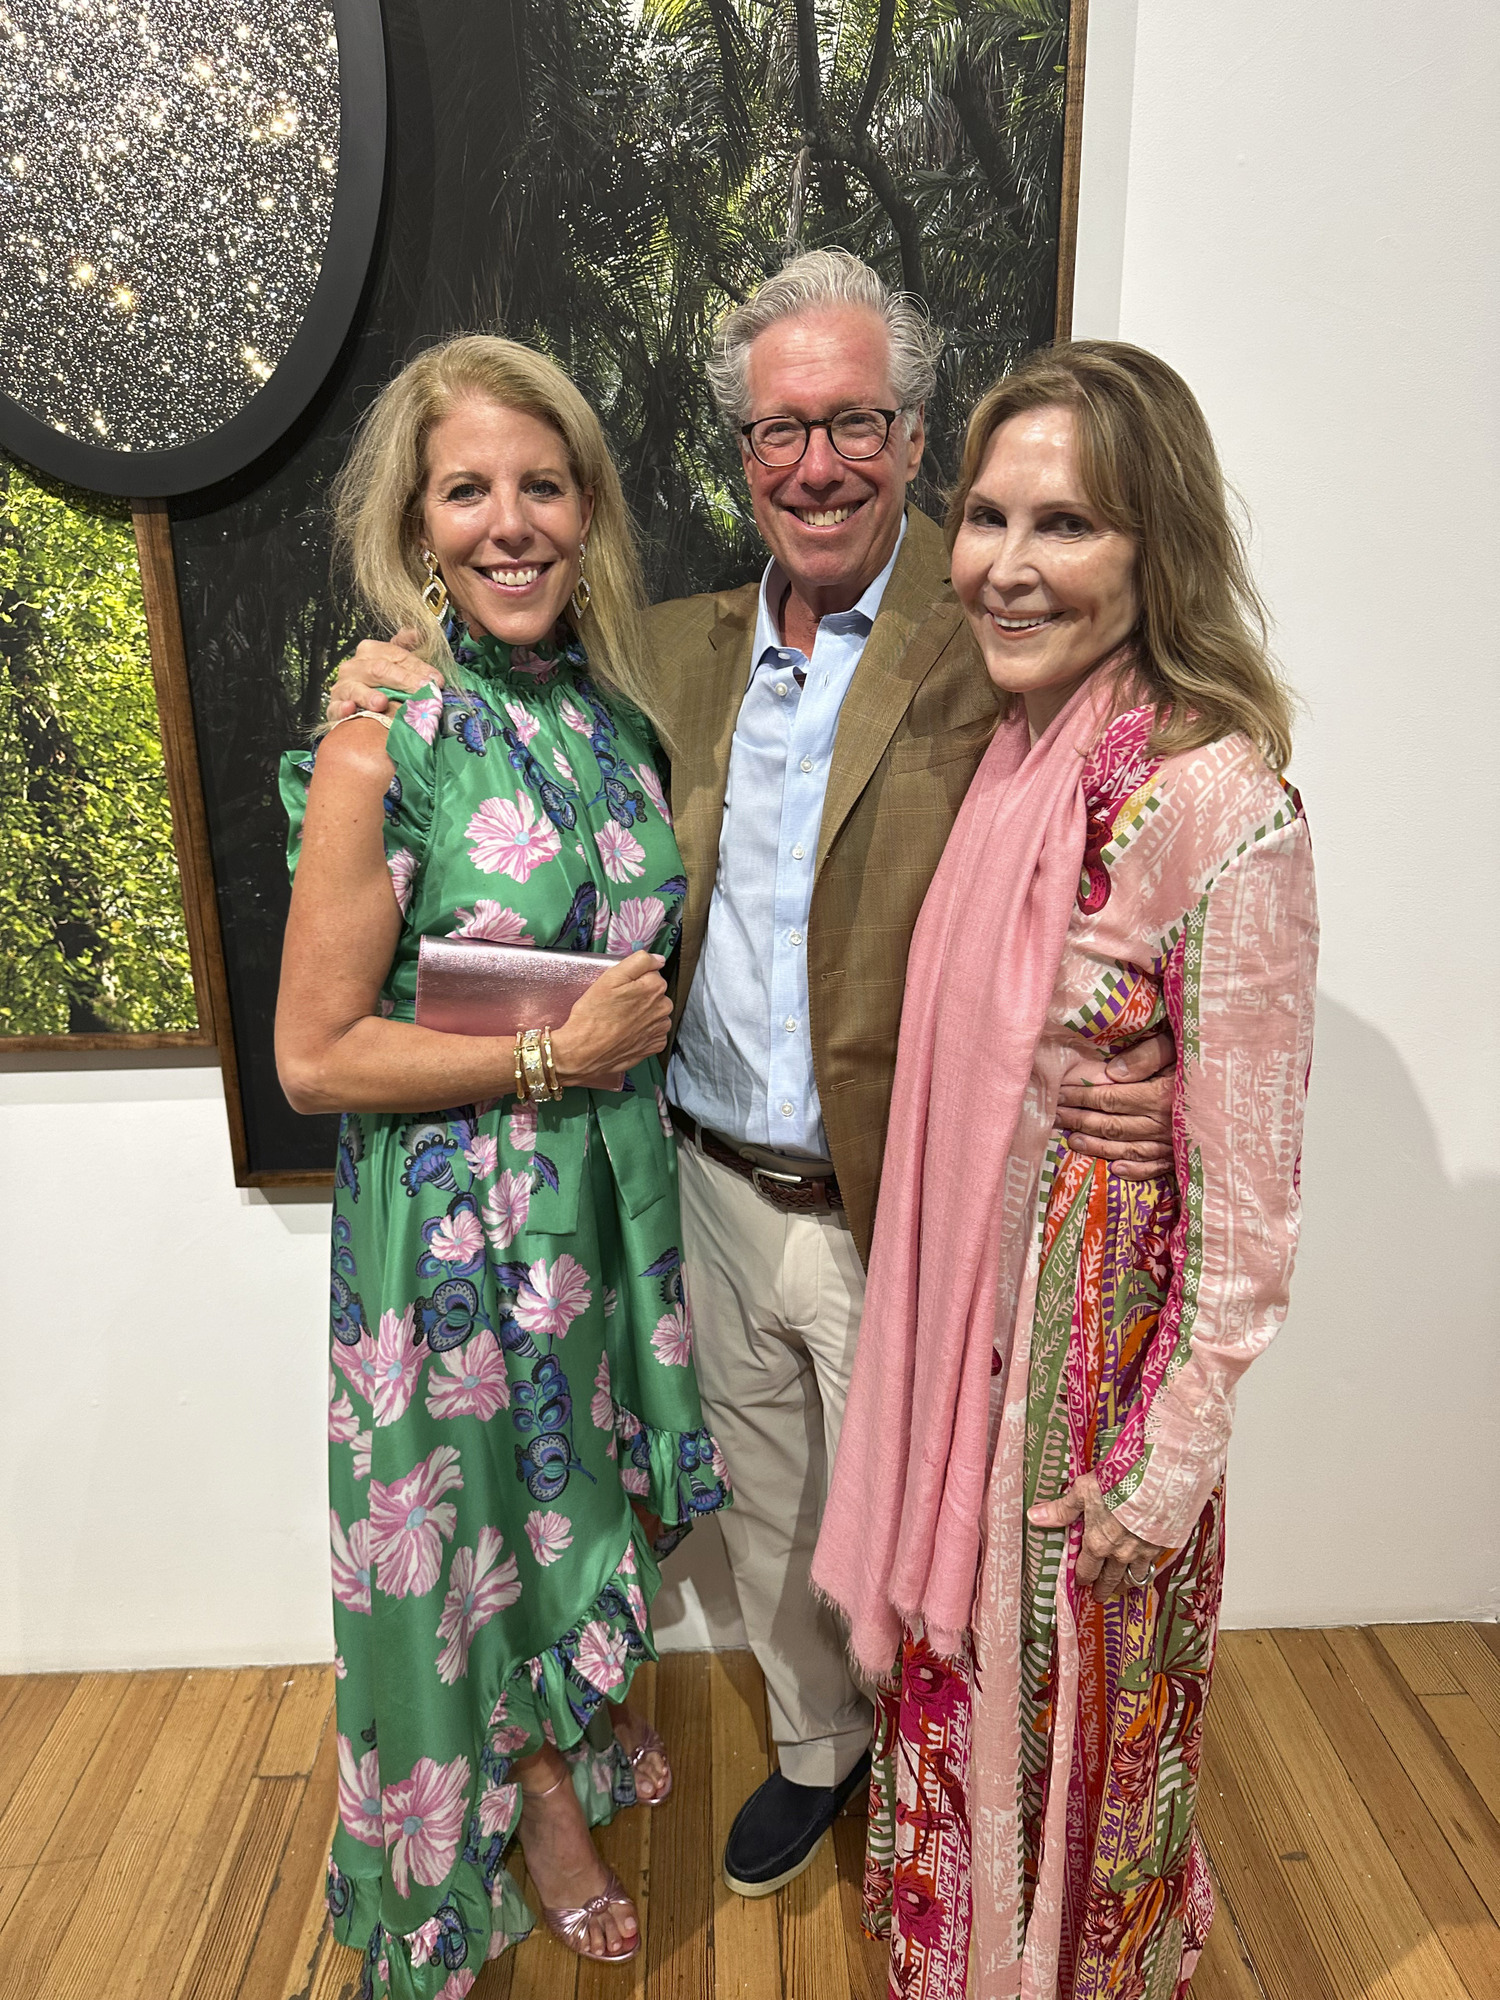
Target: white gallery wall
[(1296, 207)]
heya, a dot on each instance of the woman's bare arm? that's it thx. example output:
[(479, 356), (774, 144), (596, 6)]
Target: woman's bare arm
[(333, 1051)]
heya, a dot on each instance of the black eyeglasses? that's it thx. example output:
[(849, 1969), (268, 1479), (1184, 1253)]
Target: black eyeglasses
[(854, 434)]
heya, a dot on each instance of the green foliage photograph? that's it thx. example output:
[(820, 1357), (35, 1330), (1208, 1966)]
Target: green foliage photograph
[(91, 928)]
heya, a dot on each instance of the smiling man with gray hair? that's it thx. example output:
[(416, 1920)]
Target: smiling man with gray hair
[(823, 725)]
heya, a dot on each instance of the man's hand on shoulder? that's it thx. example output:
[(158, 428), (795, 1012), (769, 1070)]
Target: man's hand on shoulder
[(1127, 1121), (379, 664)]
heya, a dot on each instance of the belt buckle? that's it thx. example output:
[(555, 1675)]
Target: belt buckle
[(758, 1174)]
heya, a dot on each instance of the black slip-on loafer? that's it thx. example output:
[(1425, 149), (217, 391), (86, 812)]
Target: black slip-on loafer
[(776, 1831)]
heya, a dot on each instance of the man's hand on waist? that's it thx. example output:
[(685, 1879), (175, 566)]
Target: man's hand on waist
[(1129, 1120), (379, 664)]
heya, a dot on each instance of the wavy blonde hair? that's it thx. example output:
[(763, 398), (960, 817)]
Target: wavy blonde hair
[(377, 497), (1148, 464)]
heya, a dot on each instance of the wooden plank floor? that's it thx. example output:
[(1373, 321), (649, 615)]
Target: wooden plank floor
[(162, 1836)]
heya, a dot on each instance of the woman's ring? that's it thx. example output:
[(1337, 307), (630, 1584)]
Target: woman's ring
[(1140, 1582)]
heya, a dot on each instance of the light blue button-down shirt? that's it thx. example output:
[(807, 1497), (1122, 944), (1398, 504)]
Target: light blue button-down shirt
[(743, 1061)]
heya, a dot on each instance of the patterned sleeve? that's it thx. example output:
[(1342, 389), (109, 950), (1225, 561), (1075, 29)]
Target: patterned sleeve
[(1239, 990), (410, 737)]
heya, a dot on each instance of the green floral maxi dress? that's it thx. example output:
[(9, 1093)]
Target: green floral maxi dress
[(512, 1357)]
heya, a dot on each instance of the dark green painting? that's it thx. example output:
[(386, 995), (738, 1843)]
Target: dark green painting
[(604, 178)]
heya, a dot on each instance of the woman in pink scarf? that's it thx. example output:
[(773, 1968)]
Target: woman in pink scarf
[(1025, 1527)]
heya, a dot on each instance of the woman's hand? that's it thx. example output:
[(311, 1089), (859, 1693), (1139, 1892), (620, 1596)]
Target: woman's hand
[(378, 664), (1109, 1550), (624, 1017), (1128, 1121)]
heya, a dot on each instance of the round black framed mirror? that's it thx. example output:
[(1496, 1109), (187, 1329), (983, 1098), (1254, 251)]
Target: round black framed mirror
[(190, 197)]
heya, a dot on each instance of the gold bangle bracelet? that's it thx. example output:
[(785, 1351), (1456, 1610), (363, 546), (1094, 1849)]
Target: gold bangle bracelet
[(523, 1095), (531, 1062), (549, 1064)]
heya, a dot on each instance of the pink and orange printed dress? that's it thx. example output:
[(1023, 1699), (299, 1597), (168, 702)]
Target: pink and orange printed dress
[(1032, 1806)]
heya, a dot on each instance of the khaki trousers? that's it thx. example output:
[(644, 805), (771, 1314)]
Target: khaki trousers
[(776, 1301)]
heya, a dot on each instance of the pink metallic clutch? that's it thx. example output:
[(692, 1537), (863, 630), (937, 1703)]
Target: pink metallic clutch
[(471, 986)]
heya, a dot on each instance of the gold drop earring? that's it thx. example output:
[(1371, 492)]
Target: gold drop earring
[(434, 591), (582, 596)]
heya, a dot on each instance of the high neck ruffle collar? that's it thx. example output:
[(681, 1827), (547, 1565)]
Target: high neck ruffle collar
[(529, 666)]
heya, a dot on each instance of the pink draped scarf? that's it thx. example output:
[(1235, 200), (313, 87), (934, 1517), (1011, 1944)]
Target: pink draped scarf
[(901, 1533)]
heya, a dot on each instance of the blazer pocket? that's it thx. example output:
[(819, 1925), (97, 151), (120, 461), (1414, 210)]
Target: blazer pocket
[(928, 753)]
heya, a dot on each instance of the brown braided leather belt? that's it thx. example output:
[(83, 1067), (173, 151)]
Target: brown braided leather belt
[(800, 1194)]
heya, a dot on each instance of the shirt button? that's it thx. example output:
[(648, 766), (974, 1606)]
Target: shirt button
[(806, 764), (781, 689), (798, 852), (787, 1110), (794, 937), (790, 1024)]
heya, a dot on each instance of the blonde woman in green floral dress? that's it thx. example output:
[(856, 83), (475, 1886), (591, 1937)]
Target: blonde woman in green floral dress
[(514, 1418)]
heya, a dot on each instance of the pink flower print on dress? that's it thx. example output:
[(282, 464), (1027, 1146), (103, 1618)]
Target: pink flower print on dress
[(343, 1425), (359, 1795), (468, 1381), (718, 1461), (357, 1364), (403, 872), (479, 1586), (505, 1735), (553, 1296), (523, 721), (507, 1206), (601, 1656), (423, 1942), (508, 838), (627, 1424), (602, 914), (398, 1363), (635, 1481), (652, 787), (672, 1341), (362, 1455), (340, 1667), (409, 1520), (574, 717), (636, 923), (611, 1300), (483, 1156), (602, 1408), (549, 1534), (423, 713), (520, 1128), (458, 1984), (351, 1562), (424, 1818), (497, 922), (458, 1238), (634, 1595), (498, 1806), (621, 853), (563, 768)]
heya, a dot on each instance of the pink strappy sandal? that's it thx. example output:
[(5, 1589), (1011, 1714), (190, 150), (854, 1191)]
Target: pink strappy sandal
[(571, 1926), (651, 1743)]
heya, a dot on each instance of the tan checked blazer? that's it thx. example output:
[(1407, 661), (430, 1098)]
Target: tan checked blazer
[(918, 715)]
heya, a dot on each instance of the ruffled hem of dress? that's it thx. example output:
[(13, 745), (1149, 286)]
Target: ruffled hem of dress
[(679, 1475), (550, 1698)]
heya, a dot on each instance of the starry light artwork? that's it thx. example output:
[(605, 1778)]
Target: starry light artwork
[(167, 177)]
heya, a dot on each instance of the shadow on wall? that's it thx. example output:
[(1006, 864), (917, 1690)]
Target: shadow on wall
[(1365, 1471)]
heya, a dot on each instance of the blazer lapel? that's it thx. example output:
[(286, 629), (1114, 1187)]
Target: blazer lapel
[(918, 616), (709, 705)]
